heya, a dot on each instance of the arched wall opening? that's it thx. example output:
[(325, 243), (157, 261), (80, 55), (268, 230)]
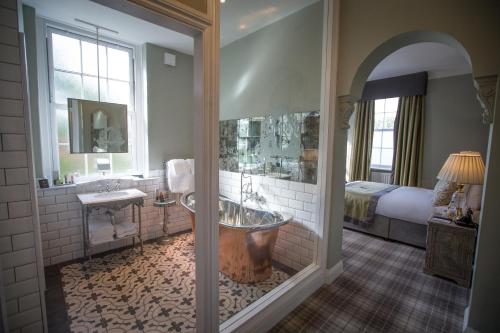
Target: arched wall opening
[(486, 87)]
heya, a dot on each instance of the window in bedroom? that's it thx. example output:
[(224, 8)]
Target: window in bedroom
[(383, 134), (73, 67)]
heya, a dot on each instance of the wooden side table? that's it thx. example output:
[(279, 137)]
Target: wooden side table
[(450, 251)]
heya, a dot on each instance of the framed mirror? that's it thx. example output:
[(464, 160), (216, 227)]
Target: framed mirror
[(97, 127)]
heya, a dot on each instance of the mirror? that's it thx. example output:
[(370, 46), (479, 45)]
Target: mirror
[(97, 127), (279, 146)]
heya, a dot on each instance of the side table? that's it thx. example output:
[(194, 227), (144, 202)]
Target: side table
[(450, 251), (165, 204)]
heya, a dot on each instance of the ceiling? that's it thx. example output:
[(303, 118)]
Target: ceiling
[(131, 29), (238, 19), (439, 60)]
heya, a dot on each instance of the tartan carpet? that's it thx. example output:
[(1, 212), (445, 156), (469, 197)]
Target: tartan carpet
[(382, 289)]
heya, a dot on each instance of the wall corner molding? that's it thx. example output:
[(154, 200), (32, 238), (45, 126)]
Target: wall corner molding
[(486, 90), (346, 109), (332, 273)]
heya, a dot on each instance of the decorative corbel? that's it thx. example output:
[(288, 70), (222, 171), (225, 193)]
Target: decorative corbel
[(346, 108), (486, 89)]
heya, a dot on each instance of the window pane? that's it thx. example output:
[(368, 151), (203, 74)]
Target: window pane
[(375, 156), (90, 88), (118, 64), (122, 163), (379, 121), (70, 163), (119, 92), (377, 139), (62, 126), (66, 53), (89, 58), (387, 139), (391, 104), (92, 162), (66, 86), (379, 105), (386, 157), (389, 120)]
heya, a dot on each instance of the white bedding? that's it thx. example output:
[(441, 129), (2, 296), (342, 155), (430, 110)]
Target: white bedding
[(411, 204)]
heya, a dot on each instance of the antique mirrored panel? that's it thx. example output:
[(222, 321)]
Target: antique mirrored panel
[(97, 127), (279, 146)]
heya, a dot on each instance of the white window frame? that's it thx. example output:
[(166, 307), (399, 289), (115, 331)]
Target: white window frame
[(382, 166), (50, 155)]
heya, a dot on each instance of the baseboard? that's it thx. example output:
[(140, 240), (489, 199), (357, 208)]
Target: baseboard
[(466, 328), (334, 272)]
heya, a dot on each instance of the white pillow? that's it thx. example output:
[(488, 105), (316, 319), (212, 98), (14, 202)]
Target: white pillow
[(473, 197)]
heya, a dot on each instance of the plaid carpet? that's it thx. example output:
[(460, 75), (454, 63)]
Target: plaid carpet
[(382, 289)]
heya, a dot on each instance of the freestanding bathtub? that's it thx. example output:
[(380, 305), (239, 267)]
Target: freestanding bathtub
[(245, 246)]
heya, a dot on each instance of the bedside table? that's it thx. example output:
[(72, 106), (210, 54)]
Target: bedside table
[(450, 251)]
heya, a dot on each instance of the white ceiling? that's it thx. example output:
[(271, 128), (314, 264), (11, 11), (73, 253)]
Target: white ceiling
[(243, 17), (238, 19), (439, 60), (131, 29)]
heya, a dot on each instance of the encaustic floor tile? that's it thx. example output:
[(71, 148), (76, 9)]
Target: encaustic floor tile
[(154, 292)]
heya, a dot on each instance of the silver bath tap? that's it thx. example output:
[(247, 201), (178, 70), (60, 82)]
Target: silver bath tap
[(247, 193)]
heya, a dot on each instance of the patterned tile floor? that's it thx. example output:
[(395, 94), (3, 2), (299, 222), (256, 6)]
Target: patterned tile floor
[(127, 292), (382, 289)]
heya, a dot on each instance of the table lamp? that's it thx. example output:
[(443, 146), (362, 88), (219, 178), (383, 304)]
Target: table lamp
[(466, 167)]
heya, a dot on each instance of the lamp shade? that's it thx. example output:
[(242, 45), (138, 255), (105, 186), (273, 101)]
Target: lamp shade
[(463, 168)]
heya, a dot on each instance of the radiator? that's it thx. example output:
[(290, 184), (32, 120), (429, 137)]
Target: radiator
[(380, 176)]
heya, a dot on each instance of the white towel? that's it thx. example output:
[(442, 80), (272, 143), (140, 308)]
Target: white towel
[(190, 162), (182, 181), (100, 224), (100, 229), (125, 229), (179, 166)]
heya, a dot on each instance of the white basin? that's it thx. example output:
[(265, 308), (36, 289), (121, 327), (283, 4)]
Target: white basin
[(103, 197)]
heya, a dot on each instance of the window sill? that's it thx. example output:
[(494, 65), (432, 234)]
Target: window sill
[(380, 169)]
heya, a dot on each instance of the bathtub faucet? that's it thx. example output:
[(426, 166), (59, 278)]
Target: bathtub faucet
[(247, 193)]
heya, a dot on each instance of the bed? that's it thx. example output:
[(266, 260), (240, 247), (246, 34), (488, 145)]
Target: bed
[(393, 212)]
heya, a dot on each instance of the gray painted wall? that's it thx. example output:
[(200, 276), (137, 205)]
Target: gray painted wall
[(170, 106), (274, 70), (452, 123)]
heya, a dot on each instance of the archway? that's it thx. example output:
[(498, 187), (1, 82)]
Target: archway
[(486, 87)]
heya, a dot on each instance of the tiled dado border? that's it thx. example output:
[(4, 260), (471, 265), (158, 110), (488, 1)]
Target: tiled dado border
[(296, 240), (61, 218), (61, 222)]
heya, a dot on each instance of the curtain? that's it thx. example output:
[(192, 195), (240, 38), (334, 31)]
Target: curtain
[(361, 153), (408, 141)]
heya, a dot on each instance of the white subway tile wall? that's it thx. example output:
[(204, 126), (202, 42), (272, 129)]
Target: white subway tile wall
[(18, 256), (297, 240), (61, 218)]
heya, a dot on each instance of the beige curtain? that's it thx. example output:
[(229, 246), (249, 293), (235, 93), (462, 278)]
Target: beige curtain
[(408, 141), (361, 153)]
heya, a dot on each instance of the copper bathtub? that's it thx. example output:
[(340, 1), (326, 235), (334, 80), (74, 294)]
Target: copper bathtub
[(246, 241)]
